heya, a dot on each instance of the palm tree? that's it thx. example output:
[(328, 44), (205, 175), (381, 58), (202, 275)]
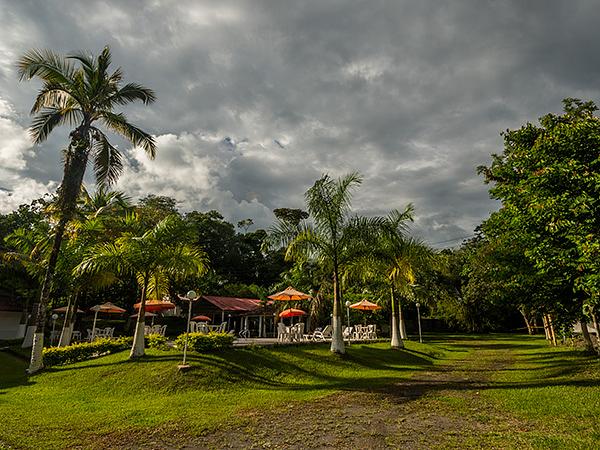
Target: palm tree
[(395, 261), (79, 91), (92, 223), (334, 238), (157, 253)]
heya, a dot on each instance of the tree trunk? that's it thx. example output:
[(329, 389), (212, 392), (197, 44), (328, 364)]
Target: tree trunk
[(595, 323), (36, 363), (337, 341), (527, 322), (396, 342), (546, 330), (137, 349), (403, 334), (74, 170), (551, 327), (68, 325), (587, 340)]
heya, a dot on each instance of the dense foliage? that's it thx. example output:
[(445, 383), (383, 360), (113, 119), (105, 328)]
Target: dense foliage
[(54, 356), (201, 343)]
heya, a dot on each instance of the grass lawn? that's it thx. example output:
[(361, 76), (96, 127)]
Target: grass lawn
[(513, 391), (69, 405)]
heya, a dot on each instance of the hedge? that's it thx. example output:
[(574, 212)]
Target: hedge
[(201, 342), (156, 340), (80, 352)]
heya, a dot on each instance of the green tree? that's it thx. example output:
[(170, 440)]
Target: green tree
[(78, 90), (548, 181), (159, 253), (334, 238)]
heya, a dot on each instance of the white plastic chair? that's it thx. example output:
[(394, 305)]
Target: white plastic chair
[(324, 334)]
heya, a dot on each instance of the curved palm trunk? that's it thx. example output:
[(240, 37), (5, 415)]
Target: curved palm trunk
[(137, 349), (74, 169), (69, 324), (589, 345), (396, 342), (337, 341)]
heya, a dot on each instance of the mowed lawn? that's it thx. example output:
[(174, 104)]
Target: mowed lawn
[(69, 405), (552, 394)]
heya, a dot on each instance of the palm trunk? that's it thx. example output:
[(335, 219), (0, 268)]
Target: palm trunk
[(337, 341), (403, 334), (396, 342), (546, 329), (138, 346), (69, 324), (74, 170), (595, 323), (36, 362)]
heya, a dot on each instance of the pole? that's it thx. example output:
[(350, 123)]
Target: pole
[(187, 331), (419, 320)]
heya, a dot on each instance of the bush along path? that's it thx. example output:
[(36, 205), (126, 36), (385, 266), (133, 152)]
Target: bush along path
[(505, 392)]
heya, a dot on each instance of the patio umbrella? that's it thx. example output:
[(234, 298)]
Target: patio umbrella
[(201, 319), (291, 312), (290, 294), (107, 307), (365, 305), (156, 305), (146, 314), (63, 310)]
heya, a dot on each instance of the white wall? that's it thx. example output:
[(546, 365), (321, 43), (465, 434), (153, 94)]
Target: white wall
[(9, 324)]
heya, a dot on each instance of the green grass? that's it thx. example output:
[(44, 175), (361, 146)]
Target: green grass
[(539, 397), (523, 392), (69, 405), (557, 390)]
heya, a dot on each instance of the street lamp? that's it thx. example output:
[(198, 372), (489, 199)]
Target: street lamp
[(419, 319), (348, 311), (190, 297), (53, 335)]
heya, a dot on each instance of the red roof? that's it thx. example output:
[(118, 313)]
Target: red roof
[(233, 303)]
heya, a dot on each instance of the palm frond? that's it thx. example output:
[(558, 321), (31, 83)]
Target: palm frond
[(47, 65), (46, 120), (108, 163), (131, 92), (118, 123)]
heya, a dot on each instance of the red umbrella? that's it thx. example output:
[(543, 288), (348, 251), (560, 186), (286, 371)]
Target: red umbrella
[(290, 294), (291, 312), (107, 307), (201, 318), (156, 305)]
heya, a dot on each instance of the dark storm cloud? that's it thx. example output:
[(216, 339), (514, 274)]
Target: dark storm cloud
[(259, 98)]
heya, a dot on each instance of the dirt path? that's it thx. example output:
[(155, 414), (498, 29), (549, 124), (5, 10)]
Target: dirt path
[(440, 408)]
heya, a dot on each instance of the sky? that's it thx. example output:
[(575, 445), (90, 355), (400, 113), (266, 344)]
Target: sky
[(257, 99)]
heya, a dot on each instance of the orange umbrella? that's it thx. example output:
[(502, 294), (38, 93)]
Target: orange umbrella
[(290, 294), (365, 305), (291, 313), (156, 305), (107, 307), (201, 318), (63, 310)]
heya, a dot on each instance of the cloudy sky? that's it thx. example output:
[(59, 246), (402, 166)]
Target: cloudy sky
[(256, 99)]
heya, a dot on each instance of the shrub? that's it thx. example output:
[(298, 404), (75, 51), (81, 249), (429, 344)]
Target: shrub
[(80, 352), (156, 340), (200, 342)]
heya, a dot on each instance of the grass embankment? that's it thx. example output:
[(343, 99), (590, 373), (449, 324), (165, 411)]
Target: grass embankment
[(70, 405), (536, 396)]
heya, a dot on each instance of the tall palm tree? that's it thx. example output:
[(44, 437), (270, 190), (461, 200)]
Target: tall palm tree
[(157, 253), (78, 90), (395, 260), (333, 238)]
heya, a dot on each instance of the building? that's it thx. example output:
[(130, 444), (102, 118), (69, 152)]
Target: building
[(251, 314), (11, 311)]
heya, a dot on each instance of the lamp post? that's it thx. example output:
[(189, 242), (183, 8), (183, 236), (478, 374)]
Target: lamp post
[(53, 317), (419, 320), (348, 311), (190, 297)]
